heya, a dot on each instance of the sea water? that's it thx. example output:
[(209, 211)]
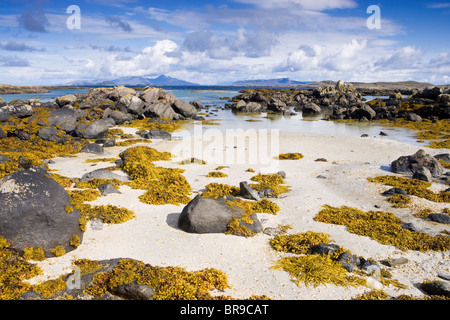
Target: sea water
[(214, 97)]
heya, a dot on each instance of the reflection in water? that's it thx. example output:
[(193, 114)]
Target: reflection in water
[(211, 96)]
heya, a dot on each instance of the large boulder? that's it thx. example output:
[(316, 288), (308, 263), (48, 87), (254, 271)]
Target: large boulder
[(34, 212), (53, 134), (95, 130), (412, 163), (161, 110), (132, 104), (207, 215), (311, 109), (150, 95), (431, 93), (65, 117), (185, 109), (365, 111), (65, 100)]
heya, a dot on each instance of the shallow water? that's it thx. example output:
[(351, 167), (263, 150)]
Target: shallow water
[(228, 120)]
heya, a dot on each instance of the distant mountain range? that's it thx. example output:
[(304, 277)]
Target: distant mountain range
[(162, 80), (269, 82)]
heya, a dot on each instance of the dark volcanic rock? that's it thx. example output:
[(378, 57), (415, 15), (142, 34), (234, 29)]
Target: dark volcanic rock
[(155, 134), (102, 174), (92, 148), (207, 215), (409, 164), (439, 217), (440, 288), (247, 192), (33, 212)]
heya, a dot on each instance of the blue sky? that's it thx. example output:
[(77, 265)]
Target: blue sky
[(218, 42)]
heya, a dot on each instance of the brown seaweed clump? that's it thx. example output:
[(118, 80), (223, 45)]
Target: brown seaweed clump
[(383, 227)]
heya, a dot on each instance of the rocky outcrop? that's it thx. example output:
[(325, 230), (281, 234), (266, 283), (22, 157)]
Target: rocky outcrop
[(36, 212), (343, 101), (90, 115)]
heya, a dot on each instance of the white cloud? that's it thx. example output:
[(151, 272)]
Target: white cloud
[(151, 60), (402, 58), (316, 5)]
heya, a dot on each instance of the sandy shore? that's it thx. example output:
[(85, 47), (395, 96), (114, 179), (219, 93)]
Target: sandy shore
[(153, 236)]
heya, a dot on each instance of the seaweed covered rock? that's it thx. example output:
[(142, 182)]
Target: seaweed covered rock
[(95, 130), (34, 213), (208, 215), (412, 163)]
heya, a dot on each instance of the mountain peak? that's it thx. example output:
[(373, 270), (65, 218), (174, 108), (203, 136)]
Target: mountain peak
[(136, 81)]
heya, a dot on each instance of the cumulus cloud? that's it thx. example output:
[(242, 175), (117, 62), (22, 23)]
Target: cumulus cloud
[(152, 60), (253, 44), (329, 57), (401, 58)]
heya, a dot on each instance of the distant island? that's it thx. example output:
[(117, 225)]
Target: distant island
[(135, 81), (374, 88), (269, 82)]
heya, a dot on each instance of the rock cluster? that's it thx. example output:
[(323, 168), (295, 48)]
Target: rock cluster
[(90, 115), (343, 101)]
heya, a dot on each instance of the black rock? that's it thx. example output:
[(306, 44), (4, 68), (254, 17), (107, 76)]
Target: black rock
[(102, 174), (33, 212), (107, 188), (439, 217), (92, 148), (324, 248), (422, 173), (155, 134), (409, 226), (410, 164), (110, 142), (348, 261), (393, 191), (53, 134), (133, 291), (207, 215), (369, 266), (247, 192), (2, 134), (439, 288)]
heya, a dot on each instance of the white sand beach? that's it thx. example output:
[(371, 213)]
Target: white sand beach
[(154, 237)]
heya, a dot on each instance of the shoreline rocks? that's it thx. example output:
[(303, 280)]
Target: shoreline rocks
[(90, 115), (343, 101)]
